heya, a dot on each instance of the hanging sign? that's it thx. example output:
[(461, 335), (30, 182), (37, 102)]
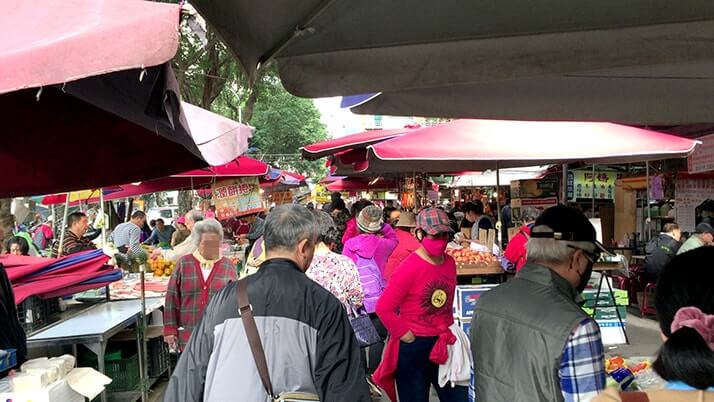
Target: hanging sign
[(689, 194), (604, 185), (702, 158), (281, 197), (237, 197)]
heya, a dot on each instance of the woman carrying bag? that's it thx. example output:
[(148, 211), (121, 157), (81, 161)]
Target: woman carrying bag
[(416, 308)]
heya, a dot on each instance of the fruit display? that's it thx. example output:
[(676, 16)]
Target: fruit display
[(161, 267), (468, 256)]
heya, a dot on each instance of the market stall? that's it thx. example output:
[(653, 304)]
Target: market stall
[(95, 326)]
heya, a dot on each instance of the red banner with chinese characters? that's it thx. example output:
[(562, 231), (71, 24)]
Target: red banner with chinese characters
[(237, 197)]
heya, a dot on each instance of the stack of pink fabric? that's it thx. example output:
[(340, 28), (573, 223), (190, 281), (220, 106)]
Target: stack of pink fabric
[(56, 277)]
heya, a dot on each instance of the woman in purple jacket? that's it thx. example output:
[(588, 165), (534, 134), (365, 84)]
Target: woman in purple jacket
[(370, 251)]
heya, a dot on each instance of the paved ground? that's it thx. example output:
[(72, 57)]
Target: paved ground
[(644, 341)]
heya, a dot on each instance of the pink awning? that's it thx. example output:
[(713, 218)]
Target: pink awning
[(219, 138), (195, 179), (358, 140), (241, 166), (355, 184), (488, 144), (49, 42)]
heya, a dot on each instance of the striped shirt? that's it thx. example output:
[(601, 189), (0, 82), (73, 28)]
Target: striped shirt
[(582, 366), (127, 234), (72, 244)]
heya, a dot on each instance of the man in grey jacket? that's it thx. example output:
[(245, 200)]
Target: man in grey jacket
[(530, 339), (307, 338)]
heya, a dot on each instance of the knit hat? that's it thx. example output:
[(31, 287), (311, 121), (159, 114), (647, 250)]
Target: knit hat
[(370, 220)]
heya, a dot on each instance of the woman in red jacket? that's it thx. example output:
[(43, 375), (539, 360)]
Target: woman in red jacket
[(516, 250)]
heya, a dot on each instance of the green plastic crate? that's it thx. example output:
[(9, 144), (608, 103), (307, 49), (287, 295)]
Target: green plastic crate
[(124, 372)]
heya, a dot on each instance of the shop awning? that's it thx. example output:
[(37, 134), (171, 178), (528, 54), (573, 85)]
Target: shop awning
[(241, 166), (89, 100), (653, 96), (489, 144), (341, 47), (196, 179), (219, 138), (48, 42), (349, 142)]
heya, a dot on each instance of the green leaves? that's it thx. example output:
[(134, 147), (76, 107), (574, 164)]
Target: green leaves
[(210, 77)]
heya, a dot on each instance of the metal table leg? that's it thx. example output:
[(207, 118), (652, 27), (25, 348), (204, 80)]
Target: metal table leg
[(99, 349)]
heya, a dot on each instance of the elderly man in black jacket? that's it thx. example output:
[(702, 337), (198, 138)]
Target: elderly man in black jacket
[(660, 250), (308, 341)]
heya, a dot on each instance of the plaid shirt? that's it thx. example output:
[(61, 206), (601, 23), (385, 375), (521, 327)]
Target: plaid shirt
[(188, 294), (582, 367)]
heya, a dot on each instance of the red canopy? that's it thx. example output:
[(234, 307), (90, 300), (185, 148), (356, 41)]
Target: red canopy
[(356, 184), (200, 178), (352, 141), (488, 144), (241, 166), (48, 42)]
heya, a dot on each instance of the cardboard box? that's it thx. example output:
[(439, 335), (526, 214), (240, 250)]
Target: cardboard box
[(467, 297)]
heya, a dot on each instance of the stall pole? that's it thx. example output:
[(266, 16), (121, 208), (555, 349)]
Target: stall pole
[(564, 182), (592, 210), (649, 210), (104, 222), (126, 212), (141, 336), (498, 209), (62, 227)]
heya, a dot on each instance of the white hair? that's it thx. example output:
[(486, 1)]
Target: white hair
[(548, 251), (204, 227)]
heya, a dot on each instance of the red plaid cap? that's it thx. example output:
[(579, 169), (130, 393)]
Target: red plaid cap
[(434, 221)]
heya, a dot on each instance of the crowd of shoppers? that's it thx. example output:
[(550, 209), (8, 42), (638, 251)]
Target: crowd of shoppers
[(320, 268)]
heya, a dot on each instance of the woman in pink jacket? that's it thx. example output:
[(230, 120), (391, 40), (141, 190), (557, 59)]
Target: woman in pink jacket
[(370, 251)]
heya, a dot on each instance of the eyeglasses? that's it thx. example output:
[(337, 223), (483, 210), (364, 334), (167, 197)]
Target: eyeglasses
[(591, 256)]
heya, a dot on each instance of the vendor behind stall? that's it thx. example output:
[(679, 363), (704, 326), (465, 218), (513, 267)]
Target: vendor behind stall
[(161, 234), (198, 276), (187, 246), (74, 240), (127, 235)]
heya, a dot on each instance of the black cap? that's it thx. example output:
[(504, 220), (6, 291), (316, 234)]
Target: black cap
[(704, 228), (568, 224)]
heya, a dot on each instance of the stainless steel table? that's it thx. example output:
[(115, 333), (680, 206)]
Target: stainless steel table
[(94, 326)]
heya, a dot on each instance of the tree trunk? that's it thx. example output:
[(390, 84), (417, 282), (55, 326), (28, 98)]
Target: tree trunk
[(250, 105), (6, 219), (185, 201)]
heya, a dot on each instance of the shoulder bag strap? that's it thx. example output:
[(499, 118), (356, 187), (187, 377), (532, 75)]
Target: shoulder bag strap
[(251, 330)]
